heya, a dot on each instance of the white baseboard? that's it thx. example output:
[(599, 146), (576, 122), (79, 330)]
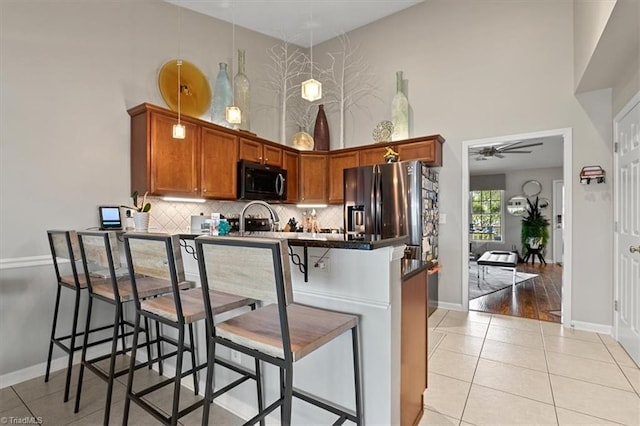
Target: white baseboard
[(57, 364), (450, 306), (590, 326)]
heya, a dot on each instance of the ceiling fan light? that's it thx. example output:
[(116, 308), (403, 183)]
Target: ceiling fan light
[(311, 90)]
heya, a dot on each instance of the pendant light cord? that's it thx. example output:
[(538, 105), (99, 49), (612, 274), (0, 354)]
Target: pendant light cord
[(179, 61)]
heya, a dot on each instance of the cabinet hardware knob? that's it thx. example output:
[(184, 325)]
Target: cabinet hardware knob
[(633, 249), (195, 189), (204, 190)]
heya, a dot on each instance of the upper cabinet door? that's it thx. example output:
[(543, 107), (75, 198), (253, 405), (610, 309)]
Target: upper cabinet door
[(371, 156), (337, 164), (250, 150), (174, 162), (313, 178), (429, 151), (290, 164), (272, 155), (219, 171)]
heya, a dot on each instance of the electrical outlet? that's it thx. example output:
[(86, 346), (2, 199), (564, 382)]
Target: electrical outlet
[(319, 263), (236, 357)]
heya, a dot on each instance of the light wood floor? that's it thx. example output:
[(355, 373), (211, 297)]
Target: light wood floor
[(540, 298)]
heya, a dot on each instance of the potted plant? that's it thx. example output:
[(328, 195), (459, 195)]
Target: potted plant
[(140, 212), (535, 227)]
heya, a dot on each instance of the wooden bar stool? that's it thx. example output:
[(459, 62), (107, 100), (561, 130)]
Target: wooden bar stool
[(101, 258), (65, 252), (279, 333), (158, 255)]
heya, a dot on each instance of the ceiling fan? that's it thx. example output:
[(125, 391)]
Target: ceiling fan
[(486, 152)]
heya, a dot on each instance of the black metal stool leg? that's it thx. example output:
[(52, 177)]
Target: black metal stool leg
[(176, 387), (83, 359), (259, 390), (53, 333), (112, 362), (208, 387), (132, 369), (148, 345), (159, 347), (194, 365), (72, 345), (357, 374), (288, 393)]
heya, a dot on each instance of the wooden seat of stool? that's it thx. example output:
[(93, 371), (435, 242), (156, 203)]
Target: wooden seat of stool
[(192, 304), (147, 287), (309, 329)]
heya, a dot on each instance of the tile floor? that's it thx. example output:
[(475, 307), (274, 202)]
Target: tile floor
[(37, 402), (497, 370), (483, 370)]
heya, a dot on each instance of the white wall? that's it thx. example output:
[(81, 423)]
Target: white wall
[(590, 19)]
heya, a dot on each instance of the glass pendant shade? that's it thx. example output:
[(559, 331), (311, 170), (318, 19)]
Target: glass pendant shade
[(311, 90), (179, 131), (233, 115)]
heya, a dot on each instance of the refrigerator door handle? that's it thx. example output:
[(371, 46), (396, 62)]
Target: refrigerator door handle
[(378, 202)]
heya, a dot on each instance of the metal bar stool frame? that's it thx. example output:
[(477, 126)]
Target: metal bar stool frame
[(137, 397), (67, 249), (109, 242), (285, 363)]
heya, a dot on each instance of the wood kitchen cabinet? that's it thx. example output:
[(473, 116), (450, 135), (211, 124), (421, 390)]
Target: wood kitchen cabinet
[(413, 373), (313, 178), (337, 163), (371, 156), (259, 152), (203, 164), (161, 164), (218, 171), (429, 151), (290, 164)]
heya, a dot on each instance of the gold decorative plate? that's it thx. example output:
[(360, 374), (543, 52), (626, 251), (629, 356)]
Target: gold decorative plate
[(303, 141), (195, 95)]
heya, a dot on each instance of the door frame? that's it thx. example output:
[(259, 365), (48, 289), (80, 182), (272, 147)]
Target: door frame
[(616, 213), (555, 213), (567, 176)]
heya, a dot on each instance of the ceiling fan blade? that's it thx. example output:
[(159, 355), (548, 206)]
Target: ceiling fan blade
[(508, 145), (504, 149), (517, 152)]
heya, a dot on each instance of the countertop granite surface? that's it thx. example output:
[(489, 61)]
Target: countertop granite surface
[(411, 267), (307, 239)]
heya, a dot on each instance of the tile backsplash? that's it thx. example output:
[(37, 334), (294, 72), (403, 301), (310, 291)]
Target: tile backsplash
[(169, 216)]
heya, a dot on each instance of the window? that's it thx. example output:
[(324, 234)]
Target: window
[(486, 215)]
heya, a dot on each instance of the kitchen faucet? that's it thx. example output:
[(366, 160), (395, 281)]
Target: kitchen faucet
[(274, 216)]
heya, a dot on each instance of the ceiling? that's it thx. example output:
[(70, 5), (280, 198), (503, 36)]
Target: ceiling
[(549, 154), (298, 21)]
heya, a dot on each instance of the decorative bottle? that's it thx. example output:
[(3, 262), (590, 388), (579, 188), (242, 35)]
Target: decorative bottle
[(400, 111), (321, 131), (241, 92), (221, 97)]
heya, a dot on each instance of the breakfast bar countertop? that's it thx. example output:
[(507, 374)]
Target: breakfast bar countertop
[(308, 239)]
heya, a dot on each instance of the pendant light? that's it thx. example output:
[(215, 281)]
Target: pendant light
[(232, 113), (179, 131), (311, 89)]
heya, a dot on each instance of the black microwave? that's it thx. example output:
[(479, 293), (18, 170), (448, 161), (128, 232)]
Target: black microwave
[(261, 182)]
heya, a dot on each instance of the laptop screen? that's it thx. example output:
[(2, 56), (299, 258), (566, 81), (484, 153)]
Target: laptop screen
[(110, 217)]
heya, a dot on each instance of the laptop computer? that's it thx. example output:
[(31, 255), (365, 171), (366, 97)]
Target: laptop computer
[(110, 218)]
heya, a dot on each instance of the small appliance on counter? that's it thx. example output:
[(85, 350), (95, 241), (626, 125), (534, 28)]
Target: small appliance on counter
[(251, 224)]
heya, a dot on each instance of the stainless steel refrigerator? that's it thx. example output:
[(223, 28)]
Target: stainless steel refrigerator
[(392, 200)]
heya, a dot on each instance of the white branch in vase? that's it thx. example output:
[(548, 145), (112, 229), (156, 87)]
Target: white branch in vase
[(348, 81)]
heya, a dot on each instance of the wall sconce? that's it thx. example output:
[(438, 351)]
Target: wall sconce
[(588, 173)]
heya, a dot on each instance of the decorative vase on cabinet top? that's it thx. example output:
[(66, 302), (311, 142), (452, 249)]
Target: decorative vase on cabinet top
[(321, 131), (241, 91), (400, 111), (222, 97)]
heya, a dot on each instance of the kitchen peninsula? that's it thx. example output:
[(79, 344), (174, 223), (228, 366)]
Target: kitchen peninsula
[(359, 277)]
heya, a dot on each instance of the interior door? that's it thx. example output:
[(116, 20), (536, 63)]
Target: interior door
[(558, 215), (627, 198)]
